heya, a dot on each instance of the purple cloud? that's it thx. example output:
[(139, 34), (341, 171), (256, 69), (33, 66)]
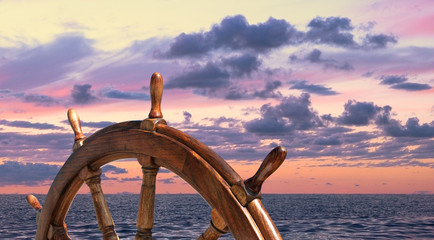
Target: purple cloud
[(30, 174), (412, 128), (81, 94), (209, 76), (331, 30), (293, 113), (242, 64), (235, 33), (26, 124), (46, 63), (312, 88)]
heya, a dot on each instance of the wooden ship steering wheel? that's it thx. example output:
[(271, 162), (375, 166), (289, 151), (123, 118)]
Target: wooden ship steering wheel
[(236, 203)]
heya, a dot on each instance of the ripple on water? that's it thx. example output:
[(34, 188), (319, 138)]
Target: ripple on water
[(186, 216)]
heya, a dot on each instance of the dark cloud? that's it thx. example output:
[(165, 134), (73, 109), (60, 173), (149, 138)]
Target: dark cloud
[(187, 116), (268, 126), (359, 113), (133, 179), (26, 124), (328, 141), (5, 91), (312, 88), (269, 91), (242, 64), (209, 76), (114, 93), (170, 180), (315, 57), (45, 64), (113, 169), (378, 40), (401, 163), (30, 174), (235, 33), (408, 86), (368, 74), (43, 147), (333, 30), (163, 170), (193, 44), (400, 82), (392, 79), (81, 94), (344, 66), (41, 100), (291, 114), (412, 128), (234, 93), (237, 139)]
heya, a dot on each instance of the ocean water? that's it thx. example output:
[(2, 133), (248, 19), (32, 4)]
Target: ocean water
[(186, 216)]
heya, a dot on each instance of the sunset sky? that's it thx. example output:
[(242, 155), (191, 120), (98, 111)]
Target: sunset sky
[(346, 86)]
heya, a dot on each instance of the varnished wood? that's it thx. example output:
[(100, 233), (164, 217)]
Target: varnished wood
[(58, 232), (33, 202), (74, 121), (65, 201), (168, 153), (220, 165), (243, 195), (218, 222), (216, 228), (250, 189), (145, 214), (117, 127), (103, 216), (263, 220), (155, 144), (156, 95), (151, 124), (270, 164)]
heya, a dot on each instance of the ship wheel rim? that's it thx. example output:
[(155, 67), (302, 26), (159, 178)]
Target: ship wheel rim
[(101, 149)]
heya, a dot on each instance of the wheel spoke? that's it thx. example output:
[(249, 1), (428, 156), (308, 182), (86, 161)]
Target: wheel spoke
[(145, 215), (216, 228), (103, 216)]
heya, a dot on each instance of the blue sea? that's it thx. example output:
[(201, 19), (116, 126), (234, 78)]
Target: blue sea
[(186, 216)]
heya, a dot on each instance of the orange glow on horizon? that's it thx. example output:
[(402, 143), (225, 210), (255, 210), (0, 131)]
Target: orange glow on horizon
[(293, 177)]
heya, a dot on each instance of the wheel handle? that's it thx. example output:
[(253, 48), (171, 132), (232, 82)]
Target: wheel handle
[(270, 164), (156, 89)]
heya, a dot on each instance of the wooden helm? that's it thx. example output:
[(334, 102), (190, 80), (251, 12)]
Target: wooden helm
[(236, 204)]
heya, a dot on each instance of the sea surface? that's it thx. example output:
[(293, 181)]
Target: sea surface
[(186, 216)]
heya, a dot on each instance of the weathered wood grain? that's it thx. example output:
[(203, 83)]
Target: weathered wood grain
[(145, 214), (33, 202), (74, 121), (168, 153), (270, 164), (263, 220), (102, 212), (58, 232), (216, 228), (220, 165), (156, 88)]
